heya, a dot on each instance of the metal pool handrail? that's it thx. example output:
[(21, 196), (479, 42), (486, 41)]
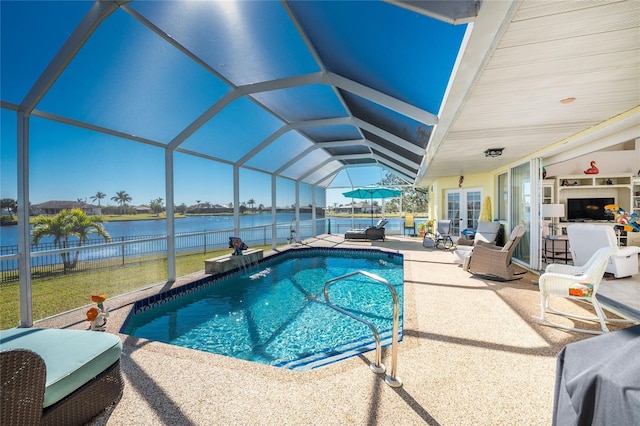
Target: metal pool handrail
[(376, 367)]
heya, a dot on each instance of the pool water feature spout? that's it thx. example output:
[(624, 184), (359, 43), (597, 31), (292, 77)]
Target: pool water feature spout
[(246, 261)]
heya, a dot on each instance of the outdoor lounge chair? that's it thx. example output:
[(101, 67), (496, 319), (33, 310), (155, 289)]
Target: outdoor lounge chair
[(443, 234), (578, 283), (486, 233), (52, 376), (371, 233), (493, 261)]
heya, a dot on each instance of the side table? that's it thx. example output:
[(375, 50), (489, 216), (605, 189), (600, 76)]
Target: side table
[(556, 249)]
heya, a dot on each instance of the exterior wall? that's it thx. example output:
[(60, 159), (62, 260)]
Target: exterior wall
[(485, 181), (599, 141), (614, 145)]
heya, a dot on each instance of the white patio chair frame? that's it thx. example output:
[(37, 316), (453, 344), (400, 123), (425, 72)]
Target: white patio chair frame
[(556, 281)]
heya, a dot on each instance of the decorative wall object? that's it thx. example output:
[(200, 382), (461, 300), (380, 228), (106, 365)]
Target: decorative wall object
[(593, 170)]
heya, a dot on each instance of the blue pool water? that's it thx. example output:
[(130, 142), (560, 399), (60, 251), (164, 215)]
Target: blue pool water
[(275, 313)]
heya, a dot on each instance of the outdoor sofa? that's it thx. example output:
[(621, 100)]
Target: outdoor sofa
[(53, 376), (371, 233)]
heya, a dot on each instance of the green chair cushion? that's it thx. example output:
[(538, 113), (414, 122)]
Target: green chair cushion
[(72, 357)]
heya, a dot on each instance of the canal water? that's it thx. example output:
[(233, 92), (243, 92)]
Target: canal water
[(9, 234)]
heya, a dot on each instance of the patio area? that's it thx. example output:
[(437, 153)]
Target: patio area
[(472, 354)]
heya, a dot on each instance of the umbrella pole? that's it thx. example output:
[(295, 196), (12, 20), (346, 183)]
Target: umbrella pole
[(371, 207)]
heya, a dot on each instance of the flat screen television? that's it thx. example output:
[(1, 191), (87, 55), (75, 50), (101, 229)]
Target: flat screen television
[(579, 209)]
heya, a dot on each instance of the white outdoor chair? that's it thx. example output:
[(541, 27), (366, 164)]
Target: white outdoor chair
[(486, 233), (585, 239), (577, 283)]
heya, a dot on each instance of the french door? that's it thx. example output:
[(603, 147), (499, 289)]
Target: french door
[(463, 208)]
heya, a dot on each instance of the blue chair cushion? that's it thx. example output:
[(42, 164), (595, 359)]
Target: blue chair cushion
[(72, 357)]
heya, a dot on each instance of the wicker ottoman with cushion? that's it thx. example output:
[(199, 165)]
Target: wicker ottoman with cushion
[(52, 376)]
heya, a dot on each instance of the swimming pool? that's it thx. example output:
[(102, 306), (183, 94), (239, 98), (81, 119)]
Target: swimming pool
[(275, 313)]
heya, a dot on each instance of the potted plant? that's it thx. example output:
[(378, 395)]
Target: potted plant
[(422, 228), (430, 226)]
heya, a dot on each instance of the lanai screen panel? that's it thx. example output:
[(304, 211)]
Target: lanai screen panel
[(129, 79), (279, 152), (319, 176), (402, 153), (9, 151), (255, 189), (387, 48), (358, 176), (309, 162), (234, 131), (302, 103), (80, 162), (341, 132), (25, 54), (388, 120), (220, 79), (245, 41), (285, 192), (200, 180)]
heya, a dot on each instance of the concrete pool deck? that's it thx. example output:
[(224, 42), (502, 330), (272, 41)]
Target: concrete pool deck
[(472, 354)]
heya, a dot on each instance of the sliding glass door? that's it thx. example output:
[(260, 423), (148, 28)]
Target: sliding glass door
[(521, 208)]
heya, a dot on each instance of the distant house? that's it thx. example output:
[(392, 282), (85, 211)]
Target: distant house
[(204, 208), (363, 207), (56, 206), (141, 210)]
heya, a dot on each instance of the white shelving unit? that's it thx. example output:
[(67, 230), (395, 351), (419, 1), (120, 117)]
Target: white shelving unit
[(548, 191), (621, 187), (586, 186)]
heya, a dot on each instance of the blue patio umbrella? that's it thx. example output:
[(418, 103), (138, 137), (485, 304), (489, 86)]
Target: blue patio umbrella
[(372, 192)]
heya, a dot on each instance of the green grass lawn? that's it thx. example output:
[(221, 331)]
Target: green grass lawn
[(56, 294)]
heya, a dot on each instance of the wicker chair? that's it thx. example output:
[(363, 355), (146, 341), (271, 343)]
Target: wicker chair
[(493, 261), (577, 283), (486, 233), (25, 381)]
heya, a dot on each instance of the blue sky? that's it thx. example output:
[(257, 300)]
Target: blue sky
[(79, 163), (129, 79)]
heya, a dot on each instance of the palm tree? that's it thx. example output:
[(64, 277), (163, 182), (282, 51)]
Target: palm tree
[(66, 224), (99, 196), (156, 206), (121, 198), (251, 203), (10, 204)]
